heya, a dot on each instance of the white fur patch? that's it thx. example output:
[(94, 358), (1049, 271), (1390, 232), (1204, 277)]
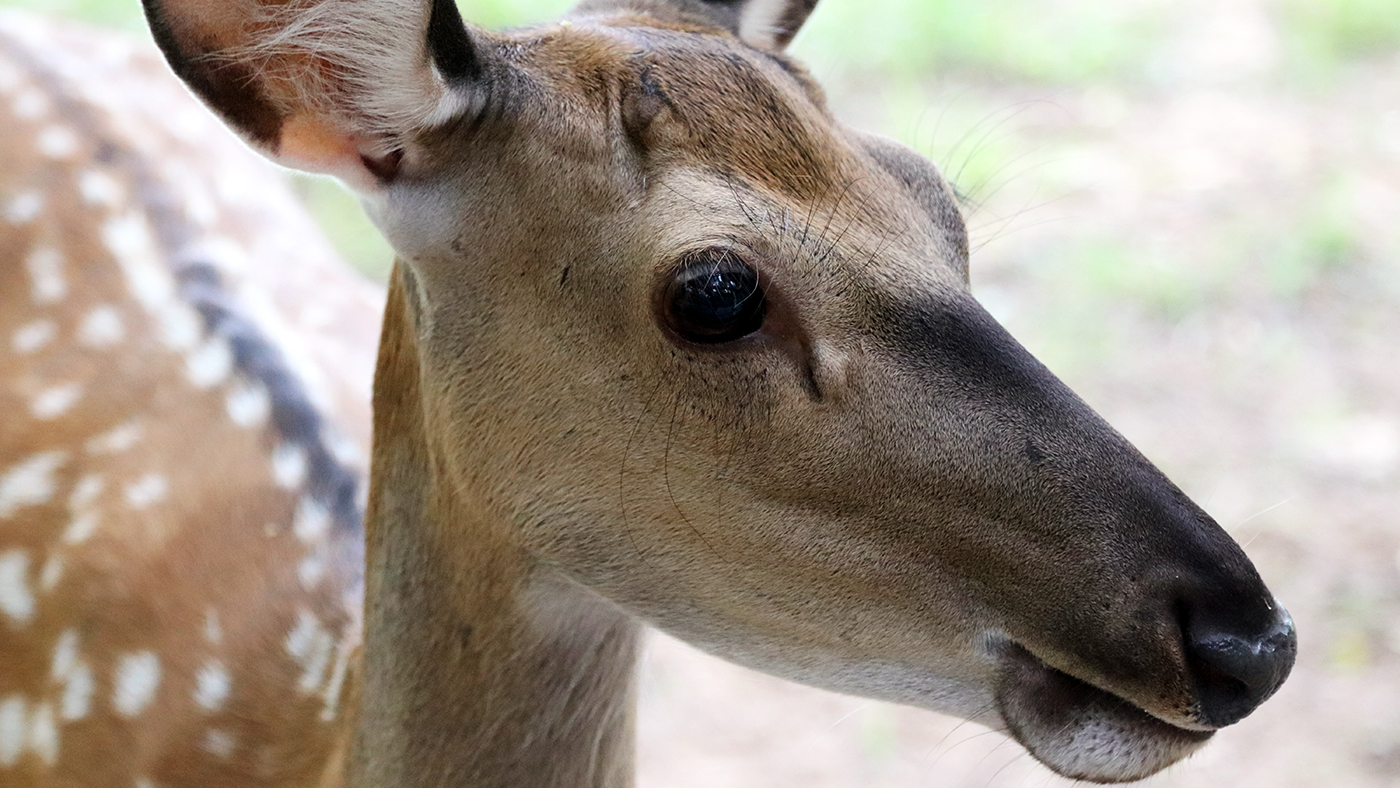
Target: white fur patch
[(180, 326), (16, 596), (31, 482), (47, 284), (51, 574), (30, 104), (135, 683), (289, 466), (312, 520), (129, 238), (23, 208), (211, 364), (32, 337), (98, 188), (212, 685), (310, 646), (219, 743), (149, 490), (337, 679), (249, 405), (213, 630), (102, 327), (311, 571), (53, 402), (120, 438), (57, 142), (43, 734), (14, 716), (76, 700)]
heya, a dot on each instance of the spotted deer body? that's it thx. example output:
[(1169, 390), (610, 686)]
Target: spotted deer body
[(184, 376)]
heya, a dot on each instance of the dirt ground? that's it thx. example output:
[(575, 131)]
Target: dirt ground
[(1213, 262)]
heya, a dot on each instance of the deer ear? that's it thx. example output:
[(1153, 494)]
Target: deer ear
[(770, 24), (766, 24), (326, 86)]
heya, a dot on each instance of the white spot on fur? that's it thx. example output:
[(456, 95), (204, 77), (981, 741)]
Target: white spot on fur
[(81, 527), (53, 402), (312, 521), (148, 491), (76, 700), (102, 327), (47, 284), (310, 571), (142, 782), (31, 337), (51, 574), (316, 662), (337, 680), (219, 743), (99, 188), (212, 685), (86, 491), (211, 364), (289, 466), (120, 438), (213, 630), (180, 327), (249, 405), (57, 142), (43, 734), (129, 238), (135, 683), (16, 598), (31, 482), (13, 722), (84, 521), (303, 634), (65, 654), (30, 104), (23, 208)]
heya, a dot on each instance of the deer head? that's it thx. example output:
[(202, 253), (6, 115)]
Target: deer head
[(668, 342)]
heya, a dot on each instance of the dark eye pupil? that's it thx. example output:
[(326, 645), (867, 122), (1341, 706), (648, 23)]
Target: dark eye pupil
[(715, 297)]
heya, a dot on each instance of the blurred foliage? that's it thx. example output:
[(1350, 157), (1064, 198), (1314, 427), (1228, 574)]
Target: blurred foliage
[(1324, 33)]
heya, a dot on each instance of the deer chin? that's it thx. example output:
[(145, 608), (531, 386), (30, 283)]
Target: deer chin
[(1080, 731)]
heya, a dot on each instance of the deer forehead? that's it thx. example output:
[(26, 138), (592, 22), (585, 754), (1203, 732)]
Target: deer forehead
[(686, 137)]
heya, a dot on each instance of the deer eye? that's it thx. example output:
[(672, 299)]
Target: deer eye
[(714, 297)]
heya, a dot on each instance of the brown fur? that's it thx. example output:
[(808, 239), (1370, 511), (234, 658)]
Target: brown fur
[(878, 491)]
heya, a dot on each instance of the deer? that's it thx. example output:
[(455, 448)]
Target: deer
[(185, 370), (666, 344)]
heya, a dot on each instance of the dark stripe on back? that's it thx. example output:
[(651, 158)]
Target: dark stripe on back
[(199, 283)]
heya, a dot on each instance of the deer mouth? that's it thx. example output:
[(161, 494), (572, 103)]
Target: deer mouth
[(1083, 732)]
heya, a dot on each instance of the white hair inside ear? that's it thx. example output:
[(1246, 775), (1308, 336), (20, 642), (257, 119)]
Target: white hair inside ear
[(771, 24)]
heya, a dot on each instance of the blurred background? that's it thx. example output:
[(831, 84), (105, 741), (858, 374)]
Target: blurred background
[(1190, 210)]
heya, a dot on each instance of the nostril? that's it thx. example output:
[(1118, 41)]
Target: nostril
[(1235, 674)]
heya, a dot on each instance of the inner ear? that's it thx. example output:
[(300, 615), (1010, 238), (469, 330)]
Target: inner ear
[(327, 87), (765, 24), (772, 24)]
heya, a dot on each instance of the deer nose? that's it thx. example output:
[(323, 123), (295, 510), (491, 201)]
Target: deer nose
[(1235, 673)]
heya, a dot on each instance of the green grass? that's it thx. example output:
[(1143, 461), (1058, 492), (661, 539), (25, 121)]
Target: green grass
[(1323, 34)]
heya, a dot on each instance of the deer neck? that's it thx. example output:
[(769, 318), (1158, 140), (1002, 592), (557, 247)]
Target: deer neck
[(481, 668)]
